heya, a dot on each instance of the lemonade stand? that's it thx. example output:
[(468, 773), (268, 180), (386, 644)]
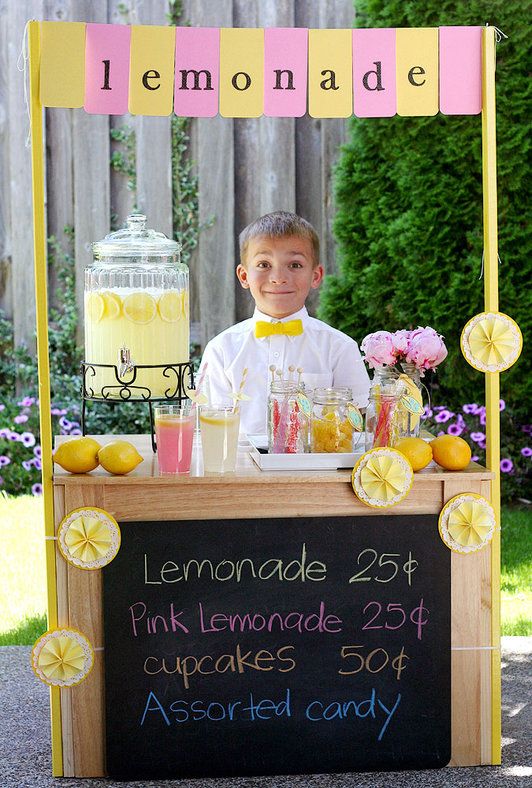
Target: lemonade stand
[(263, 622)]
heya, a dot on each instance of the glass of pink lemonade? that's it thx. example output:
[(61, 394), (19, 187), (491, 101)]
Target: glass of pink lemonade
[(174, 431), (219, 438)]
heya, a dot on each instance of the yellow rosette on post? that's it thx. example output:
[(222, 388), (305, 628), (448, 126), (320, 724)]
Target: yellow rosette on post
[(467, 523), (382, 478), (62, 657), (88, 538), (491, 342)]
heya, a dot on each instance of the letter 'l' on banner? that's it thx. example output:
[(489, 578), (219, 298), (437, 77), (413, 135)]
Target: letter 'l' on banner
[(197, 72), (62, 77), (285, 72), (374, 73), (460, 70), (330, 73), (151, 71), (241, 72), (107, 69), (417, 71)]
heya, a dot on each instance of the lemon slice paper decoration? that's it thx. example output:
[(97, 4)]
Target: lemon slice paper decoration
[(382, 478), (62, 657), (88, 538), (467, 523), (491, 342)]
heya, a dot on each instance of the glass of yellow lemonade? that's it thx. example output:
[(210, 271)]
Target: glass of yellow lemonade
[(219, 425)]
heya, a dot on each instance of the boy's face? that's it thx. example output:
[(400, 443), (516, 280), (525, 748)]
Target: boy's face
[(280, 273)]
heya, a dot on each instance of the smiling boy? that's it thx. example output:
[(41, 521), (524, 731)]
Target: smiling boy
[(280, 265)]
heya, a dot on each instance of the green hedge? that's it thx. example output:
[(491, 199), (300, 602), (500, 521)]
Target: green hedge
[(409, 209)]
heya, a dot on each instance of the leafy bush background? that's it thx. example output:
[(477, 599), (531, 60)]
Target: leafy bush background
[(409, 209)]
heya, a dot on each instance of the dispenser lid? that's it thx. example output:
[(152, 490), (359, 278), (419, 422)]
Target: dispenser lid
[(135, 240)]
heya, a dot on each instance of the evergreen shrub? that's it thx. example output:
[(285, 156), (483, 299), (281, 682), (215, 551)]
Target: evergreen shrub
[(409, 209)]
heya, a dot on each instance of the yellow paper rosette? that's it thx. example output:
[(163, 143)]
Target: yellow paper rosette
[(88, 538), (62, 657), (491, 342), (467, 523), (382, 478)]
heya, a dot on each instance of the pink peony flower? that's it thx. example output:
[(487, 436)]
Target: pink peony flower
[(426, 348), (400, 341), (378, 349)]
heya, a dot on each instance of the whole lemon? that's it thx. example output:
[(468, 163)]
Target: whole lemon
[(416, 450), (451, 452), (119, 457), (78, 455)]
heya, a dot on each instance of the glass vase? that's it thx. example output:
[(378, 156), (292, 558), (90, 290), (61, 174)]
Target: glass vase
[(384, 419)]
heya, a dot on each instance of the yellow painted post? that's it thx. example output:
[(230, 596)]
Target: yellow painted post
[(41, 295), (491, 304)]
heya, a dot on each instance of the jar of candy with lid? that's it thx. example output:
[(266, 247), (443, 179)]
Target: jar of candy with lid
[(136, 312), (331, 429), (287, 423)]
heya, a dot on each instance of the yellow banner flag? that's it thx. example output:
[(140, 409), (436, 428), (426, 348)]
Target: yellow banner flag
[(151, 70), (417, 71), (62, 64), (330, 74), (241, 72)]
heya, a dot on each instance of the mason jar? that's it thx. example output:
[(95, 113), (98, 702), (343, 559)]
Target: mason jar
[(136, 311), (331, 430), (287, 423), (384, 414)]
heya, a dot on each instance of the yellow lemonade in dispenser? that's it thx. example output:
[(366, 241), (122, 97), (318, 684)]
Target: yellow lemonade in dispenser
[(136, 313)]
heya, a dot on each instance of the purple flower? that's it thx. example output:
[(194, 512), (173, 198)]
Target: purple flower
[(6, 461), (75, 432), (27, 465), (65, 423), (5, 432), (482, 444), (14, 436), (37, 463), (36, 489), (27, 402), (439, 407), (482, 418), (471, 408), (444, 415), (58, 411), (2, 407), (427, 412), (441, 432), (526, 452), (478, 437), (525, 428), (507, 466), (502, 404), (28, 439), (20, 419), (455, 429), (475, 458), (37, 451)]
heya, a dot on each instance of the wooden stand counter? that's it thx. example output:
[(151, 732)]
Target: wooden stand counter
[(252, 494)]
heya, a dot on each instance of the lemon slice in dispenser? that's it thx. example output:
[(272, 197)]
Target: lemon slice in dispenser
[(140, 308), (112, 304), (95, 307), (382, 478), (170, 306)]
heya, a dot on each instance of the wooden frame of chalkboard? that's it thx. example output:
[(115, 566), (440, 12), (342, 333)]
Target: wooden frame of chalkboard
[(278, 646)]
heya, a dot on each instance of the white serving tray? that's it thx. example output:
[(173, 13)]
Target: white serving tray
[(300, 462)]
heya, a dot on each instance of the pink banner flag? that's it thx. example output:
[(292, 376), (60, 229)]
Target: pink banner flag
[(197, 72), (107, 69), (285, 72), (460, 70), (374, 73)]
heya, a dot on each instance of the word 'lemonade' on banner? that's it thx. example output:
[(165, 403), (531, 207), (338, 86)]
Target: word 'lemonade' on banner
[(244, 72)]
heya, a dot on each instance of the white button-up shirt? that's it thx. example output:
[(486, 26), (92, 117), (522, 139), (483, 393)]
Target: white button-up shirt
[(328, 358)]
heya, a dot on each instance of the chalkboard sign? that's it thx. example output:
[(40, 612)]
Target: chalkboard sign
[(272, 646)]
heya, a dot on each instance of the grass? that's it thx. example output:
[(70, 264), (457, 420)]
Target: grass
[(23, 574)]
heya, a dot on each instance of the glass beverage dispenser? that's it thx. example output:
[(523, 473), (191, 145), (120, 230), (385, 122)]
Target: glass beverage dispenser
[(136, 314)]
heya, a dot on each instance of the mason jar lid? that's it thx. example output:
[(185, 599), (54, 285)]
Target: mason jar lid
[(332, 396), (135, 240)]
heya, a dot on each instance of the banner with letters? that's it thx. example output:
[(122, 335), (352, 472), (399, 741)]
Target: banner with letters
[(249, 72)]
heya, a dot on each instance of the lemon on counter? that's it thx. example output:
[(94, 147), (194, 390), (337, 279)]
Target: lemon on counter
[(416, 450), (119, 457), (451, 452), (78, 455)]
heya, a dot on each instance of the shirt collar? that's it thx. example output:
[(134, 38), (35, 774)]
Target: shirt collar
[(301, 314)]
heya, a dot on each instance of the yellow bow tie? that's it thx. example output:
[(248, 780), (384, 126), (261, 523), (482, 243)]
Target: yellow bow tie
[(292, 328)]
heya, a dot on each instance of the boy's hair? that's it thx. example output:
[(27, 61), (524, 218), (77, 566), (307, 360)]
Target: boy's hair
[(279, 224)]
